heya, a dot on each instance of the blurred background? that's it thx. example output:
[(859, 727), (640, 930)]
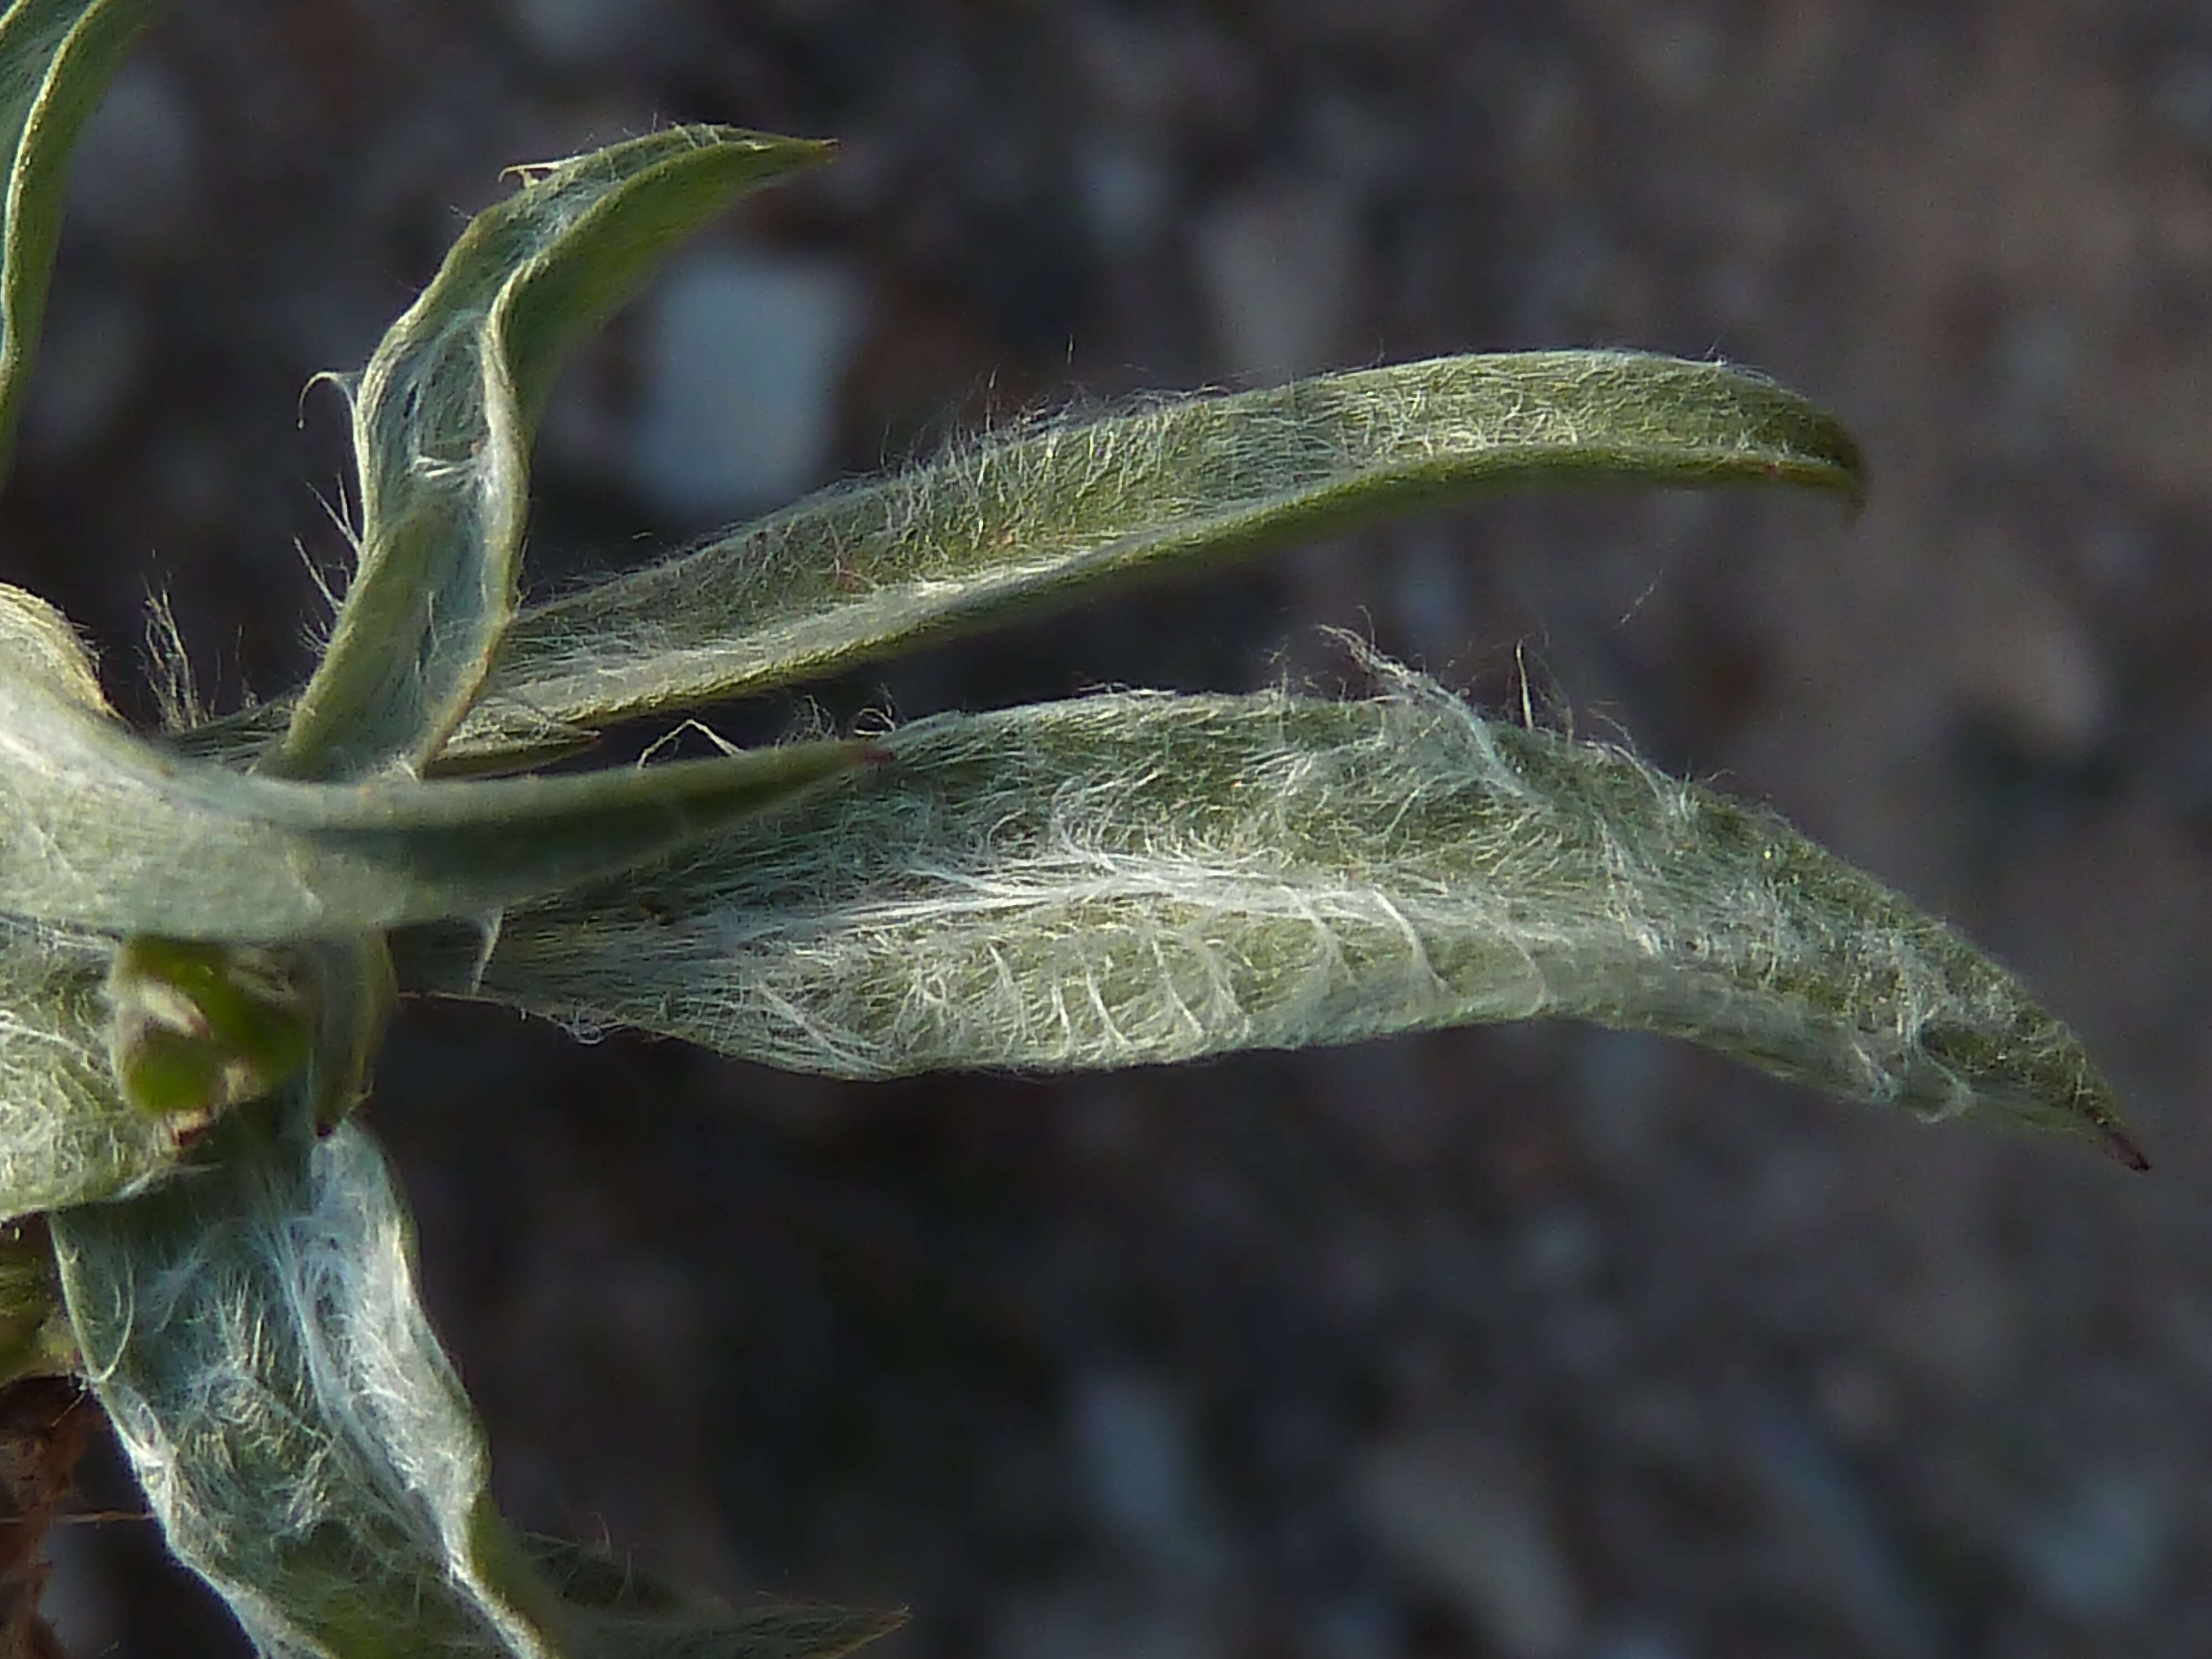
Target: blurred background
[(1537, 1342)]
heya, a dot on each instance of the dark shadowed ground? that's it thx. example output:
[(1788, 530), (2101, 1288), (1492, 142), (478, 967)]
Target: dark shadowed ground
[(1527, 1342)]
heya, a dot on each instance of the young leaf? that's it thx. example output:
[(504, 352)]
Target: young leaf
[(100, 829), (442, 422), (56, 58), (255, 1337), (1053, 515), (1048, 516), (1126, 879)]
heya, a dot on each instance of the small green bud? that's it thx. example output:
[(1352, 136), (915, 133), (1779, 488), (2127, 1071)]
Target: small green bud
[(199, 1027)]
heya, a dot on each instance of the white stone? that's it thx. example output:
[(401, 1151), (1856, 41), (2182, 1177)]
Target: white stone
[(742, 354), (1134, 1441)]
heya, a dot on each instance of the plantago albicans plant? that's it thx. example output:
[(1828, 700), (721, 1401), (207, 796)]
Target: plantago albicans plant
[(203, 930)]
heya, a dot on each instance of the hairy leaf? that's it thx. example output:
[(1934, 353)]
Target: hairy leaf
[(100, 830), (113, 1058), (67, 1136), (1131, 878), (56, 58), (442, 422), (1053, 514), (255, 1337), (39, 650)]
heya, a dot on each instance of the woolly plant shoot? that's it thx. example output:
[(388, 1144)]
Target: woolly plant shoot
[(203, 929)]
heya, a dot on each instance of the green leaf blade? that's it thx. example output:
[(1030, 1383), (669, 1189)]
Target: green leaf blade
[(1051, 516), (57, 58), (256, 1339), (443, 416), (100, 830), (1132, 880)]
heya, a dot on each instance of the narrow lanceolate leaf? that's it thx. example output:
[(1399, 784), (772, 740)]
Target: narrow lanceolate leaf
[(56, 58), (1124, 879), (442, 422), (1053, 514), (100, 830), (255, 1336)]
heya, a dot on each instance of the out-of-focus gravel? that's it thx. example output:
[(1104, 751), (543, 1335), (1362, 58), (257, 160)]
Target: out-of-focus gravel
[(1529, 1342)]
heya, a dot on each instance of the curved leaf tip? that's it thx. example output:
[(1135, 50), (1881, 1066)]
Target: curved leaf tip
[(443, 416)]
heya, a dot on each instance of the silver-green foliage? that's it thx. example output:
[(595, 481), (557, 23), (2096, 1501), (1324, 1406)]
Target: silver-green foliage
[(202, 930), (255, 1337), (442, 420), (1139, 877)]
